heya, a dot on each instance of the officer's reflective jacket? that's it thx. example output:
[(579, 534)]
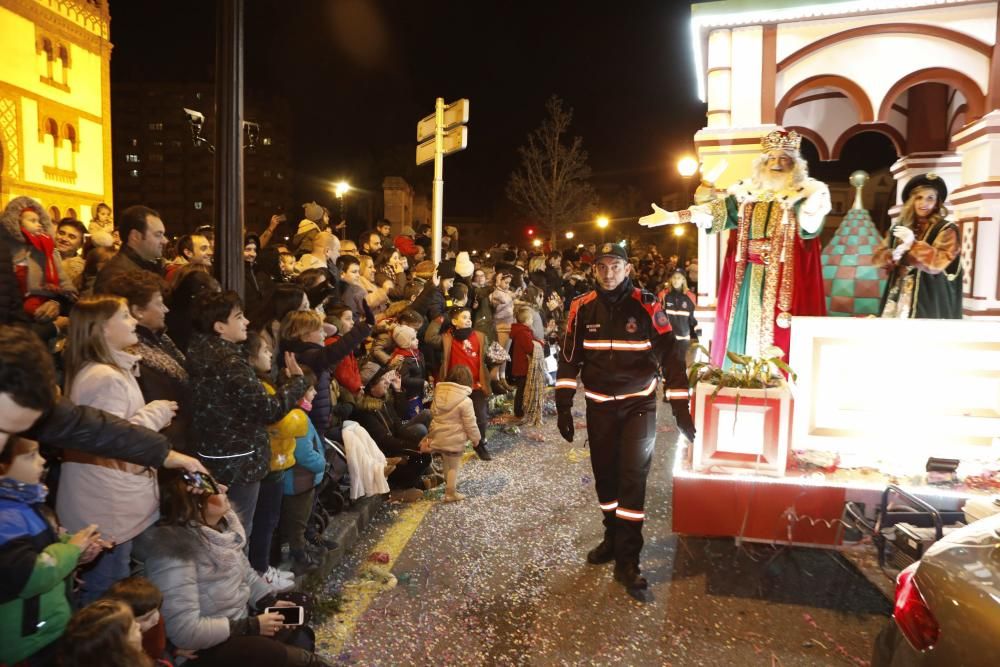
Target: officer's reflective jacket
[(615, 342)]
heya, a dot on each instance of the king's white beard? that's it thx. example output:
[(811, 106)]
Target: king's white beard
[(774, 181)]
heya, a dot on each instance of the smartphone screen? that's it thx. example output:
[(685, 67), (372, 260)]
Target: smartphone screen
[(291, 615), (199, 480)]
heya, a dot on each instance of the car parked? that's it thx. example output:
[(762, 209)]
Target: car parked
[(947, 609)]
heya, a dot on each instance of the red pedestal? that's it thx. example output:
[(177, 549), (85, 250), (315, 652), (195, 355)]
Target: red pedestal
[(757, 508)]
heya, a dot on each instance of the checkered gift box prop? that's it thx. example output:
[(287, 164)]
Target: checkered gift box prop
[(853, 286)]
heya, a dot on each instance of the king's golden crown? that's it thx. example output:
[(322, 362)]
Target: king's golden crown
[(782, 140)]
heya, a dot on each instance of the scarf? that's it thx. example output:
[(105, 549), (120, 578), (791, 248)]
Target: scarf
[(226, 543), (411, 353), (160, 354), (29, 494), (44, 244), (461, 334)]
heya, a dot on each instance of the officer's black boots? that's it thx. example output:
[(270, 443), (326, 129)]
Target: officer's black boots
[(635, 584), (602, 553)]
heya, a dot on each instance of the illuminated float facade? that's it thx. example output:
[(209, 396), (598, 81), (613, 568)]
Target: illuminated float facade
[(927, 76)]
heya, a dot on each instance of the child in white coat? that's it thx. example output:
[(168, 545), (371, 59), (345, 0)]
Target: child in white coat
[(453, 425), (121, 498)]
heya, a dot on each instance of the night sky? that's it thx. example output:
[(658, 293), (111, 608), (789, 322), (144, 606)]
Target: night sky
[(359, 74)]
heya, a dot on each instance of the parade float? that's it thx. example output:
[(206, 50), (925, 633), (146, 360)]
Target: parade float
[(874, 402)]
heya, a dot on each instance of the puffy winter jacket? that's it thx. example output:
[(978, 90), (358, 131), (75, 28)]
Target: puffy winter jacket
[(283, 434), (310, 461), (322, 359), (206, 580), (36, 566), (453, 419), (232, 410)]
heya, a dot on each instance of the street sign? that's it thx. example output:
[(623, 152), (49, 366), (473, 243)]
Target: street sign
[(454, 140), (441, 133), (455, 113)]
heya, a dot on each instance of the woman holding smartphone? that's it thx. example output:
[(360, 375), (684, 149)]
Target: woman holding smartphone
[(212, 597), (119, 497)]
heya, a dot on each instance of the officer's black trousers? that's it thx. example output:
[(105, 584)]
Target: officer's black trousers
[(622, 435)]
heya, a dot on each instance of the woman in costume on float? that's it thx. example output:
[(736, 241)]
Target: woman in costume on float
[(922, 256)]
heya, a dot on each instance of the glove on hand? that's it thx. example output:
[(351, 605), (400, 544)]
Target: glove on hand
[(904, 234), (565, 421)]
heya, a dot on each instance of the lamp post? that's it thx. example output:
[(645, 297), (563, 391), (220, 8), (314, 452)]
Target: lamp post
[(678, 235), (341, 188), (603, 222), (687, 167)]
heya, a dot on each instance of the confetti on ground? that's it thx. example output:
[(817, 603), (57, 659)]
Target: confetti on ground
[(500, 579)]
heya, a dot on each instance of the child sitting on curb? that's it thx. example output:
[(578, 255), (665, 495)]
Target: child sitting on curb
[(453, 424)]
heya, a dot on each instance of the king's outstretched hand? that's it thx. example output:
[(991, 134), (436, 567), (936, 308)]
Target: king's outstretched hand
[(659, 217)]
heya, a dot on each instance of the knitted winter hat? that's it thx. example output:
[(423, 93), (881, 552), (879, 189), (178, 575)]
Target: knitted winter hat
[(407, 231), (446, 269), (371, 373), (463, 265), (404, 336), (313, 211)]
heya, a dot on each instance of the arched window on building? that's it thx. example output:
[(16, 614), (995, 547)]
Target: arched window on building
[(52, 138), (46, 55), (64, 64), (54, 213), (69, 147), (71, 213)]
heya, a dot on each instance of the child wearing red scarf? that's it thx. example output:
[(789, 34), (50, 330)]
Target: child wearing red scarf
[(28, 230), (346, 372)]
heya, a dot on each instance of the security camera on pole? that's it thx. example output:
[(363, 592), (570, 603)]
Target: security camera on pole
[(443, 132)]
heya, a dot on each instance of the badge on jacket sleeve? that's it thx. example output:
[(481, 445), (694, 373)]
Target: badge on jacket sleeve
[(661, 320), (631, 326)]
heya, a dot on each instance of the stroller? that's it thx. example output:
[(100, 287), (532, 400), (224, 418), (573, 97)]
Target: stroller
[(334, 492)]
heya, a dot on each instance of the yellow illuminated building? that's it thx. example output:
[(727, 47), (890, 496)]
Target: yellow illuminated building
[(55, 104)]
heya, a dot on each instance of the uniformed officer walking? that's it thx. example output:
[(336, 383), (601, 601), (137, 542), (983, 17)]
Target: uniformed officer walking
[(616, 338), (678, 303)]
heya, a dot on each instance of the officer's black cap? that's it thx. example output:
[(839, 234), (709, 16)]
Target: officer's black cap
[(611, 250)]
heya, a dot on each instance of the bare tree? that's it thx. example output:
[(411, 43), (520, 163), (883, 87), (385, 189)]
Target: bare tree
[(552, 183)]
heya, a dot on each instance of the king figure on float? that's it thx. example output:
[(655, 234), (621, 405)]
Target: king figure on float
[(772, 269)]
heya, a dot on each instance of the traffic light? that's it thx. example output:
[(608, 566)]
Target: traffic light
[(531, 231)]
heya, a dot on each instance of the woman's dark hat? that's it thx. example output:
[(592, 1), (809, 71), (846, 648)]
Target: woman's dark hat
[(929, 180)]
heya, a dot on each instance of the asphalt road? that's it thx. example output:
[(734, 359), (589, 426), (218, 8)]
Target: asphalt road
[(500, 579)]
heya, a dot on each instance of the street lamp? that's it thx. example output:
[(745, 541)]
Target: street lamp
[(603, 222), (678, 233), (687, 166), (340, 189), (569, 235), (537, 243)]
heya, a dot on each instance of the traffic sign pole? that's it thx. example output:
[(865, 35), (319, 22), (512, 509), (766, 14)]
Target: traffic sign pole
[(438, 194), (439, 134)]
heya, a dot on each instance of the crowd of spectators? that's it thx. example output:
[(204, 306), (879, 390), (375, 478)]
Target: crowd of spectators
[(198, 438)]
